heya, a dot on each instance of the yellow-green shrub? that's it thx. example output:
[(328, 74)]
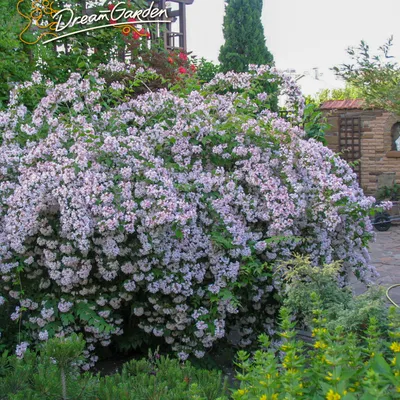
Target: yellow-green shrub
[(337, 365)]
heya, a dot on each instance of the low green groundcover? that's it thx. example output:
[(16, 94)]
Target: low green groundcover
[(337, 365)]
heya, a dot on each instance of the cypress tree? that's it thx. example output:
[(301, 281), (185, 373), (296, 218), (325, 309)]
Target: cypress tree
[(244, 36)]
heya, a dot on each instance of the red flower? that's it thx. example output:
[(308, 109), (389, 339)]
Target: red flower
[(113, 21), (135, 35), (193, 68), (182, 70), (148, 35), (131, 19), (170, 60), (111, 7), (126, 31), (142, 31), (183, 56)]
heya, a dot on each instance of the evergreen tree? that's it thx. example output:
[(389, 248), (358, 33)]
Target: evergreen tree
[(244, 36)]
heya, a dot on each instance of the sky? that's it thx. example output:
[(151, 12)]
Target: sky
[(304, 34)]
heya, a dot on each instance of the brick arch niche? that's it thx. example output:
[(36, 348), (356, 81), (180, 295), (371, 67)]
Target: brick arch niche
[(377, 163), (395, 136)]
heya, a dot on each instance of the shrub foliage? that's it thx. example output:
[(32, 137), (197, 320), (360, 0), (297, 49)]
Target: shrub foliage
[(162, 214)]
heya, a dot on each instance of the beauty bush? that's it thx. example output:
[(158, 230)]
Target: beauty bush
[(163, 214)]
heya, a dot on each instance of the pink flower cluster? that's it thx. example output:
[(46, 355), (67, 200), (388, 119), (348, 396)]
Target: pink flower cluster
[(176, 207)]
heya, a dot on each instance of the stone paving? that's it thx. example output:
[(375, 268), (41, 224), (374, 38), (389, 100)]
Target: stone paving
[(385, 255)]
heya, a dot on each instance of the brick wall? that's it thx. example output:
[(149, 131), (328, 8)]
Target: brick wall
[(379, 165)]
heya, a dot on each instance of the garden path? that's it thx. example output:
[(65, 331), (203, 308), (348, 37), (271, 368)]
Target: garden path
[(385, 255)]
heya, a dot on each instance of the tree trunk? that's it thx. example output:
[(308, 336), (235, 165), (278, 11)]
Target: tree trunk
[(63, 383)]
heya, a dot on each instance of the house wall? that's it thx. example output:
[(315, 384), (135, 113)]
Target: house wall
[(379, 165)]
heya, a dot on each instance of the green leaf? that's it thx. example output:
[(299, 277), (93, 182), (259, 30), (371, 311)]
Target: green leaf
[(67, 318), (179, 234), (222, 241), (380, 365)]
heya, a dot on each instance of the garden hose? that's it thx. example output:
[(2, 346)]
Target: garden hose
[(387, 294)]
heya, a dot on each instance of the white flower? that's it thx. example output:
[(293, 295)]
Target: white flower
[(21, 349), (43, 335)]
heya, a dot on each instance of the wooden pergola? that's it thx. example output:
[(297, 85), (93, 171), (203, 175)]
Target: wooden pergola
[(176, 39), (173, 33)]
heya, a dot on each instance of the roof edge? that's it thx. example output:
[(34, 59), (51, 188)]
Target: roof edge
[(350, 104)]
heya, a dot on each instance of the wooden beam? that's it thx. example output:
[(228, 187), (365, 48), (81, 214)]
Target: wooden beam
[(182, 25), (187, 2), (173, 13)]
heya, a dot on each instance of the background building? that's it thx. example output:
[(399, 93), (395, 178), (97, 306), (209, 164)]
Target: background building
[(368, 139)]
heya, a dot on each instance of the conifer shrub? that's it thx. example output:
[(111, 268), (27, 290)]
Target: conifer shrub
[(53, 373)]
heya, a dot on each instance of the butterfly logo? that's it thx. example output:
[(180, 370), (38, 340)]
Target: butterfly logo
[(40, 18)]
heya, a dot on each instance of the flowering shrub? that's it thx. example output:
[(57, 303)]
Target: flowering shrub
[(339, 366), (173, 66), (163, 213)]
